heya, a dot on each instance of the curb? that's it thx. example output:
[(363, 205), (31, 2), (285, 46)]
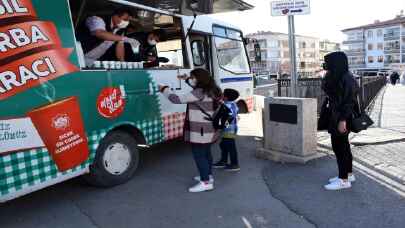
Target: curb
[(382, 171)]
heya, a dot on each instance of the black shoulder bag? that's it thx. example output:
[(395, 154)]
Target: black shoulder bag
[(361, 121), (324, 116)]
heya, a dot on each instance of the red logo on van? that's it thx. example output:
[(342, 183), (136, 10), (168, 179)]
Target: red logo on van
[(110, 103)]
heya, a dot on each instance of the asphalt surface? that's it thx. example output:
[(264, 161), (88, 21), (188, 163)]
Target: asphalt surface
[(371, 202), (157, 197)]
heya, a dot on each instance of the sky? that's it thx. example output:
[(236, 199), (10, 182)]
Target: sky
[(327, 18)]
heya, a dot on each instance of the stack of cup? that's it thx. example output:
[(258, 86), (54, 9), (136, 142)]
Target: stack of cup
[(97, 65), (106, 64), (117, 65)]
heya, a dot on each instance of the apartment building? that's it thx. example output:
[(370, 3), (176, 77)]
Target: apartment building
[(378, 45), (276, 56)]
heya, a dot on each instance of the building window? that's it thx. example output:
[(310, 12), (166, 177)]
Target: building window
[(392, 59), (360, 36), (392, 32), (286, 54), (263, 43), (370, 59), (264, 55), (370, 34), (274, 54), (380, 46), (322, 45), (392, 45), (285, 43), (273, 44), (370, 47), (380, 59), (379, 33)]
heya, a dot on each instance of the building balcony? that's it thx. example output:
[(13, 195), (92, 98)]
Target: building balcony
[(353, 41), (356, 52), (357, 65), (392, 50), (392, 36), (388, 63)]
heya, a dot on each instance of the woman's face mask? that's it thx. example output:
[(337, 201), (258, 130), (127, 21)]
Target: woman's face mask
[(192, 82)]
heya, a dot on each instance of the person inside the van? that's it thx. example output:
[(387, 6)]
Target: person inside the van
[(147, 51), (99, 38)]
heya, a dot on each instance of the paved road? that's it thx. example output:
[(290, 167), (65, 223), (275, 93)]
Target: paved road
[(157, 198), (372, 202)]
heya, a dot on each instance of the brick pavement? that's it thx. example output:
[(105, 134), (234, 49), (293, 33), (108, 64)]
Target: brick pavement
[(388, 157)]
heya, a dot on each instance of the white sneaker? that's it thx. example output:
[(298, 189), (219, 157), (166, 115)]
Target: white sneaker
[(201, 187), (338, 185), (198, 178), (351, 178)]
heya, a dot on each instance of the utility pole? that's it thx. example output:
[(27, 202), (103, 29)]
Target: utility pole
[(290, 8), (293, 56)]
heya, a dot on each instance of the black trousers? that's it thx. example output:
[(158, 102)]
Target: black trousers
[(228, 148), (343, 153), (203, 159)]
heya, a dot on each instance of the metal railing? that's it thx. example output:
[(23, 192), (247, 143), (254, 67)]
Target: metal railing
[(311, 88)]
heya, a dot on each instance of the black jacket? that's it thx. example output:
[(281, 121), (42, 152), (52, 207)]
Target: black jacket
[(343, 102)]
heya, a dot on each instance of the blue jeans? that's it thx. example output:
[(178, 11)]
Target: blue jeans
[(228, 148), (203, 159)]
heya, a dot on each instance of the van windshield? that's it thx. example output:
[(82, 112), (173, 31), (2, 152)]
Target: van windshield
[(231, 50)]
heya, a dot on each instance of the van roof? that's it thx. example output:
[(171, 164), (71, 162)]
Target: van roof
[(204, 23)]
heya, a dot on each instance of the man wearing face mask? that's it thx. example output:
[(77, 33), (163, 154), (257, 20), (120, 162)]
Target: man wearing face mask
[(99, 36), (147, 51)]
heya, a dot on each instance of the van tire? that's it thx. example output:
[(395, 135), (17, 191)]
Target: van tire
[(117, 159)]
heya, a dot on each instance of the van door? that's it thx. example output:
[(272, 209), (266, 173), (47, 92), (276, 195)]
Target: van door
[(200, 51)]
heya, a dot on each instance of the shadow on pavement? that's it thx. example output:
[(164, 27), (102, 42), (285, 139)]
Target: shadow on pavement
[(367, 204)]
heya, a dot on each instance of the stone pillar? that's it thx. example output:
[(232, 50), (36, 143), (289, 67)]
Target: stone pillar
[(290, 130)]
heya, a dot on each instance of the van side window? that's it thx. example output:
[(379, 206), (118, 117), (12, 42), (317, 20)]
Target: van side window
[(116, 36), (198, 52)]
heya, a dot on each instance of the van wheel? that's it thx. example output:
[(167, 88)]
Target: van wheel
[(117, 159)]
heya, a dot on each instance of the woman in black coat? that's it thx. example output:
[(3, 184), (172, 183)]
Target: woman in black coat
[(341, 89)]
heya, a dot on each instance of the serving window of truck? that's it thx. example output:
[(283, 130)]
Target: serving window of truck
[(91, 16)]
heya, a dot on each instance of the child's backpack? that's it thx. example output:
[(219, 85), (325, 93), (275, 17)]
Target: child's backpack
[(221, 118)]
